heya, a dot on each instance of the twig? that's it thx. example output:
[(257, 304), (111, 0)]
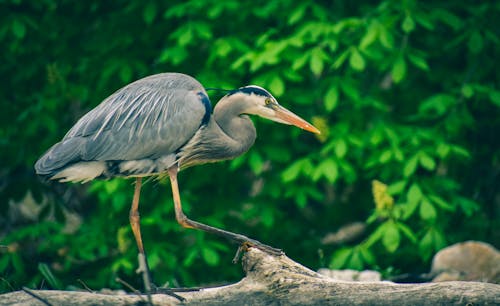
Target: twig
[(124, 283), (36, 296), (237, 256), (8, 284), (85, 286), (171, 292)]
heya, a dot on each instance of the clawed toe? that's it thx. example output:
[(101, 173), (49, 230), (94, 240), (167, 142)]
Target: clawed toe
[(250, 243), (172, 291), (265, 248), (166, 290)]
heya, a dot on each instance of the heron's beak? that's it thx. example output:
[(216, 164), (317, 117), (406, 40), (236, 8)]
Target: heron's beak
[(285, 116)]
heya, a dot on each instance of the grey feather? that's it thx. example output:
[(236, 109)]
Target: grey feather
[(149, 118), (153, 124)]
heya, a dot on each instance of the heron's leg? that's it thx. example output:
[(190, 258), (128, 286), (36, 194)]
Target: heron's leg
[(135, 223), (187, 223)]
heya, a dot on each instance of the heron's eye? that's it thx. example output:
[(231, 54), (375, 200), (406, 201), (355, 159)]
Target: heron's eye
[(268, 101)]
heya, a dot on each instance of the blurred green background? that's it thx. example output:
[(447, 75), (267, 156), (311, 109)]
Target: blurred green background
[(406, 94)]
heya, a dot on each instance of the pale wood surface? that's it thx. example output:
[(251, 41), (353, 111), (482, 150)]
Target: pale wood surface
[(272, 280)]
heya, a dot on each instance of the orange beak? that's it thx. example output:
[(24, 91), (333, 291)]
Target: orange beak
[(285, 116)]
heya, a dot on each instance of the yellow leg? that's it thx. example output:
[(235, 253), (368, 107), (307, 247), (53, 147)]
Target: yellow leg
[(134, 216), (135, 223), (187, 223)]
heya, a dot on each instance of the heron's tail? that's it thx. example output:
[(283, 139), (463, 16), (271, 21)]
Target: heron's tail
[(59, 156)]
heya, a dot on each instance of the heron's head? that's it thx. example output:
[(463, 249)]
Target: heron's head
[(258, 101)]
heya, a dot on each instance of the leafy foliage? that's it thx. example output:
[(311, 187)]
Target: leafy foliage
[(405, 93)]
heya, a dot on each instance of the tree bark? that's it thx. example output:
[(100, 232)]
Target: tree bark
[(272, 280)]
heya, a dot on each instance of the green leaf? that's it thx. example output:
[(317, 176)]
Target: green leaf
[(467, 91), (356, 261), (398, 71), (425, 245), (437, 105), (367, 255), (18, 28), (495, 97), (267, 217), (190, 257), (391, 237), (203, 31), (330, 170), (120, 201), (408, 24), (439, 240), (370, 36), (376, 235), (126, 73), (441, 203), (341, 59), (397, 187), (410, 166), (407, 232), (424, 20), (458, 150), (149, 13), (297, 14), (300, 61), (414, 194), (292, 172), (443, 150), (427, 211), (468, 206), (385, 157), (356, 61), (277, 86), (433, 240), (386, 38), (49, 276), (340, 258), (316, 62), (317, 174), (331, 98), (238, 162), (418, 61), (256, 163), (373, 217), (426, 161), (341, 148), (475, 43), (448, 18), (4, 260), (185, 37), (350, 90), (210, 256)]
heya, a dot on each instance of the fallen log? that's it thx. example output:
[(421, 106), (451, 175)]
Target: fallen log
[(278, 280)]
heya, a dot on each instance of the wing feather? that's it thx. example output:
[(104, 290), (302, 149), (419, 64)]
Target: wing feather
[(149, 118)]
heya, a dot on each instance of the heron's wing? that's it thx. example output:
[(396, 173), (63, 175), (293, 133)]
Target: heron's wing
[(149, 118)]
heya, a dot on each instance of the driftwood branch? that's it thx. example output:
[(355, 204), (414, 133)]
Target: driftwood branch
[(272, 280)]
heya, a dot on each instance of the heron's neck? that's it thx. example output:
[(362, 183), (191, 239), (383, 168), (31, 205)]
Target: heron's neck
[(229, 115)]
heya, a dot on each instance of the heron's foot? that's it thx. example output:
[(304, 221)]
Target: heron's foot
[(263, 247), (251, 243), (149, 287), (172, 291), (143, 269)]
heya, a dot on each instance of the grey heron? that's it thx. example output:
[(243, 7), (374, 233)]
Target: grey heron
[(159, 125)]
